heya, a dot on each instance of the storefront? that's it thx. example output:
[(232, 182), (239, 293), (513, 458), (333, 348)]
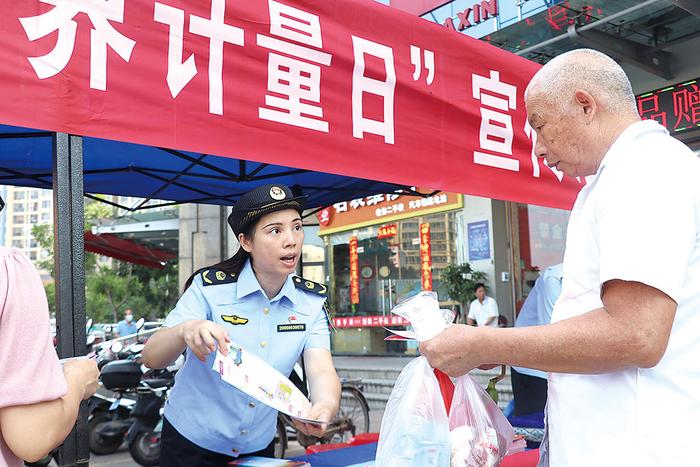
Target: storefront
[(378, 251)]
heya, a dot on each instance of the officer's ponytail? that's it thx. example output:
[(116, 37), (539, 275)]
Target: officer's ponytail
[(234, 264)]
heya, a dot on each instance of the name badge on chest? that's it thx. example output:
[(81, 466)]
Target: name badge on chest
[(297, 327)]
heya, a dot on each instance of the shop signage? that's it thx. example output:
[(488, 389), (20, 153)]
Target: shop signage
[(289, 82), (379, 209), (480, 11), (354, 272), (387, 231), (324, 216), (368, 321), (676, 107), (426, 262)]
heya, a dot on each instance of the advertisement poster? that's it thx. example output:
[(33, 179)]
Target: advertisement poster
[(479, 243)]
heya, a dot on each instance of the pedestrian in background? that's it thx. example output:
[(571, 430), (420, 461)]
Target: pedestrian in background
[(483, 311), (127, 326), (530, 386)]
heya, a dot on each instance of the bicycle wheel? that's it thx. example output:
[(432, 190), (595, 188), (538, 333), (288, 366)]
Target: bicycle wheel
[(354, 411)]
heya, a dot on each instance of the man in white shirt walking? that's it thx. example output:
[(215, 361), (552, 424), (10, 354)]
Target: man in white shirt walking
[(622, 349), (483, 311)]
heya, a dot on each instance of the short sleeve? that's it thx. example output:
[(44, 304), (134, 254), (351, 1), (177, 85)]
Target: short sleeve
[(319, 335), (29, 368), (192, 305), (493, 308), (646, 228)]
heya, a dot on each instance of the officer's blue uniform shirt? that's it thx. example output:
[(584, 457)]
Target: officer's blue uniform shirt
[(211, 413)]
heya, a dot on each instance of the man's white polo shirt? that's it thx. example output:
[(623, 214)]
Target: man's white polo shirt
[(481, 312), (637, 219)]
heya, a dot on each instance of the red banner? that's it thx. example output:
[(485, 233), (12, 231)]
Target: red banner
[(341, 86), (368, 321), (354, 272), (426, 262)]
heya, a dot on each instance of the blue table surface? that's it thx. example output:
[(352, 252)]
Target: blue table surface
[(341, 457)]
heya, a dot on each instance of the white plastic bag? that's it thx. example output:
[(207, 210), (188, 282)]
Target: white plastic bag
[(480, 434), (416, 429)]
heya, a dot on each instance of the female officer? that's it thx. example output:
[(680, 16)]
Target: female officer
[(254, 300)]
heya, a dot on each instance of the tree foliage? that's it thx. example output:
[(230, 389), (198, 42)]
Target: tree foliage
[(460, 281), (112, 286)]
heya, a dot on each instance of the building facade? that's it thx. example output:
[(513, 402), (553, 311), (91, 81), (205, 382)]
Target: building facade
[(25, 208)]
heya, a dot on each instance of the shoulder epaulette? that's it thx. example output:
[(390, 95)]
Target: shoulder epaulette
[(310, 286), (212, 276)]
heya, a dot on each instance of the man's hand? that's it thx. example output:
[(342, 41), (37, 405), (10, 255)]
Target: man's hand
[(321, 412), (203, 337), (454, 351)]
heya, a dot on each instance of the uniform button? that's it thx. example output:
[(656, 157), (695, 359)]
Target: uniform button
[(234, 450), (244, 432), (266, 310), (263, 344), (251, 405)]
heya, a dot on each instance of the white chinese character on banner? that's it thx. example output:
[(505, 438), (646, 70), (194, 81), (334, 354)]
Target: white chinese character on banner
[(103, 34), (180, 73), (392, 197), (374, 199), (295, 78), (356, 203), (341, 207), (496, 130), (363, 84)]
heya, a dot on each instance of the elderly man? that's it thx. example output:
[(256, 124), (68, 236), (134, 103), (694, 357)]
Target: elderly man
[(624, 383)]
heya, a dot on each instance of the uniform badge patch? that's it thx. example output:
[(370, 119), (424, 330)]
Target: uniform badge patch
[(235, 320), (291, 327)]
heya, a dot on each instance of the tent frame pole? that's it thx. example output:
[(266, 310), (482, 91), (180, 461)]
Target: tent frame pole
[(69, 260)]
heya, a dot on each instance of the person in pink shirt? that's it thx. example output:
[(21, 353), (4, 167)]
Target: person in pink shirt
[(39, 400)]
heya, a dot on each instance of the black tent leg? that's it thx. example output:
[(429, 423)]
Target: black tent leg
[(69, 262)]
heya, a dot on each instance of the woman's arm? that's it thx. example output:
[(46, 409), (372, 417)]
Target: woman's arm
[(202, 336), (324, 388), (33, 430)]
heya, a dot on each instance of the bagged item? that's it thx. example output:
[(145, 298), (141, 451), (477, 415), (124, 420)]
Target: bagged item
[(430, 421), (480, 434), (415, 429)]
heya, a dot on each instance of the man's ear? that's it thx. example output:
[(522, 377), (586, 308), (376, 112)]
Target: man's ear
[(245, 243), (586, 103)]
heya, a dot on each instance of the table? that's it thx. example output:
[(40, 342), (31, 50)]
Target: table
[(363, 456)]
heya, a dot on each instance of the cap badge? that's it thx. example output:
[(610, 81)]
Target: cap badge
[(277, 193)]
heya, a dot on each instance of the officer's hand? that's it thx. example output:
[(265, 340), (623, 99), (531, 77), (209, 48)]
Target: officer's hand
[(320, 412), (203, 337)]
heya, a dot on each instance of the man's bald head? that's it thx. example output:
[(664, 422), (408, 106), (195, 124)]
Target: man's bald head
[(587, 70)]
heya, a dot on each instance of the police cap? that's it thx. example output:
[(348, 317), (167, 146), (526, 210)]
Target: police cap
[(260, 201)]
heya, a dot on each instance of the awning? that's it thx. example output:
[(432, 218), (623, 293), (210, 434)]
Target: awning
[(127, 250)]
